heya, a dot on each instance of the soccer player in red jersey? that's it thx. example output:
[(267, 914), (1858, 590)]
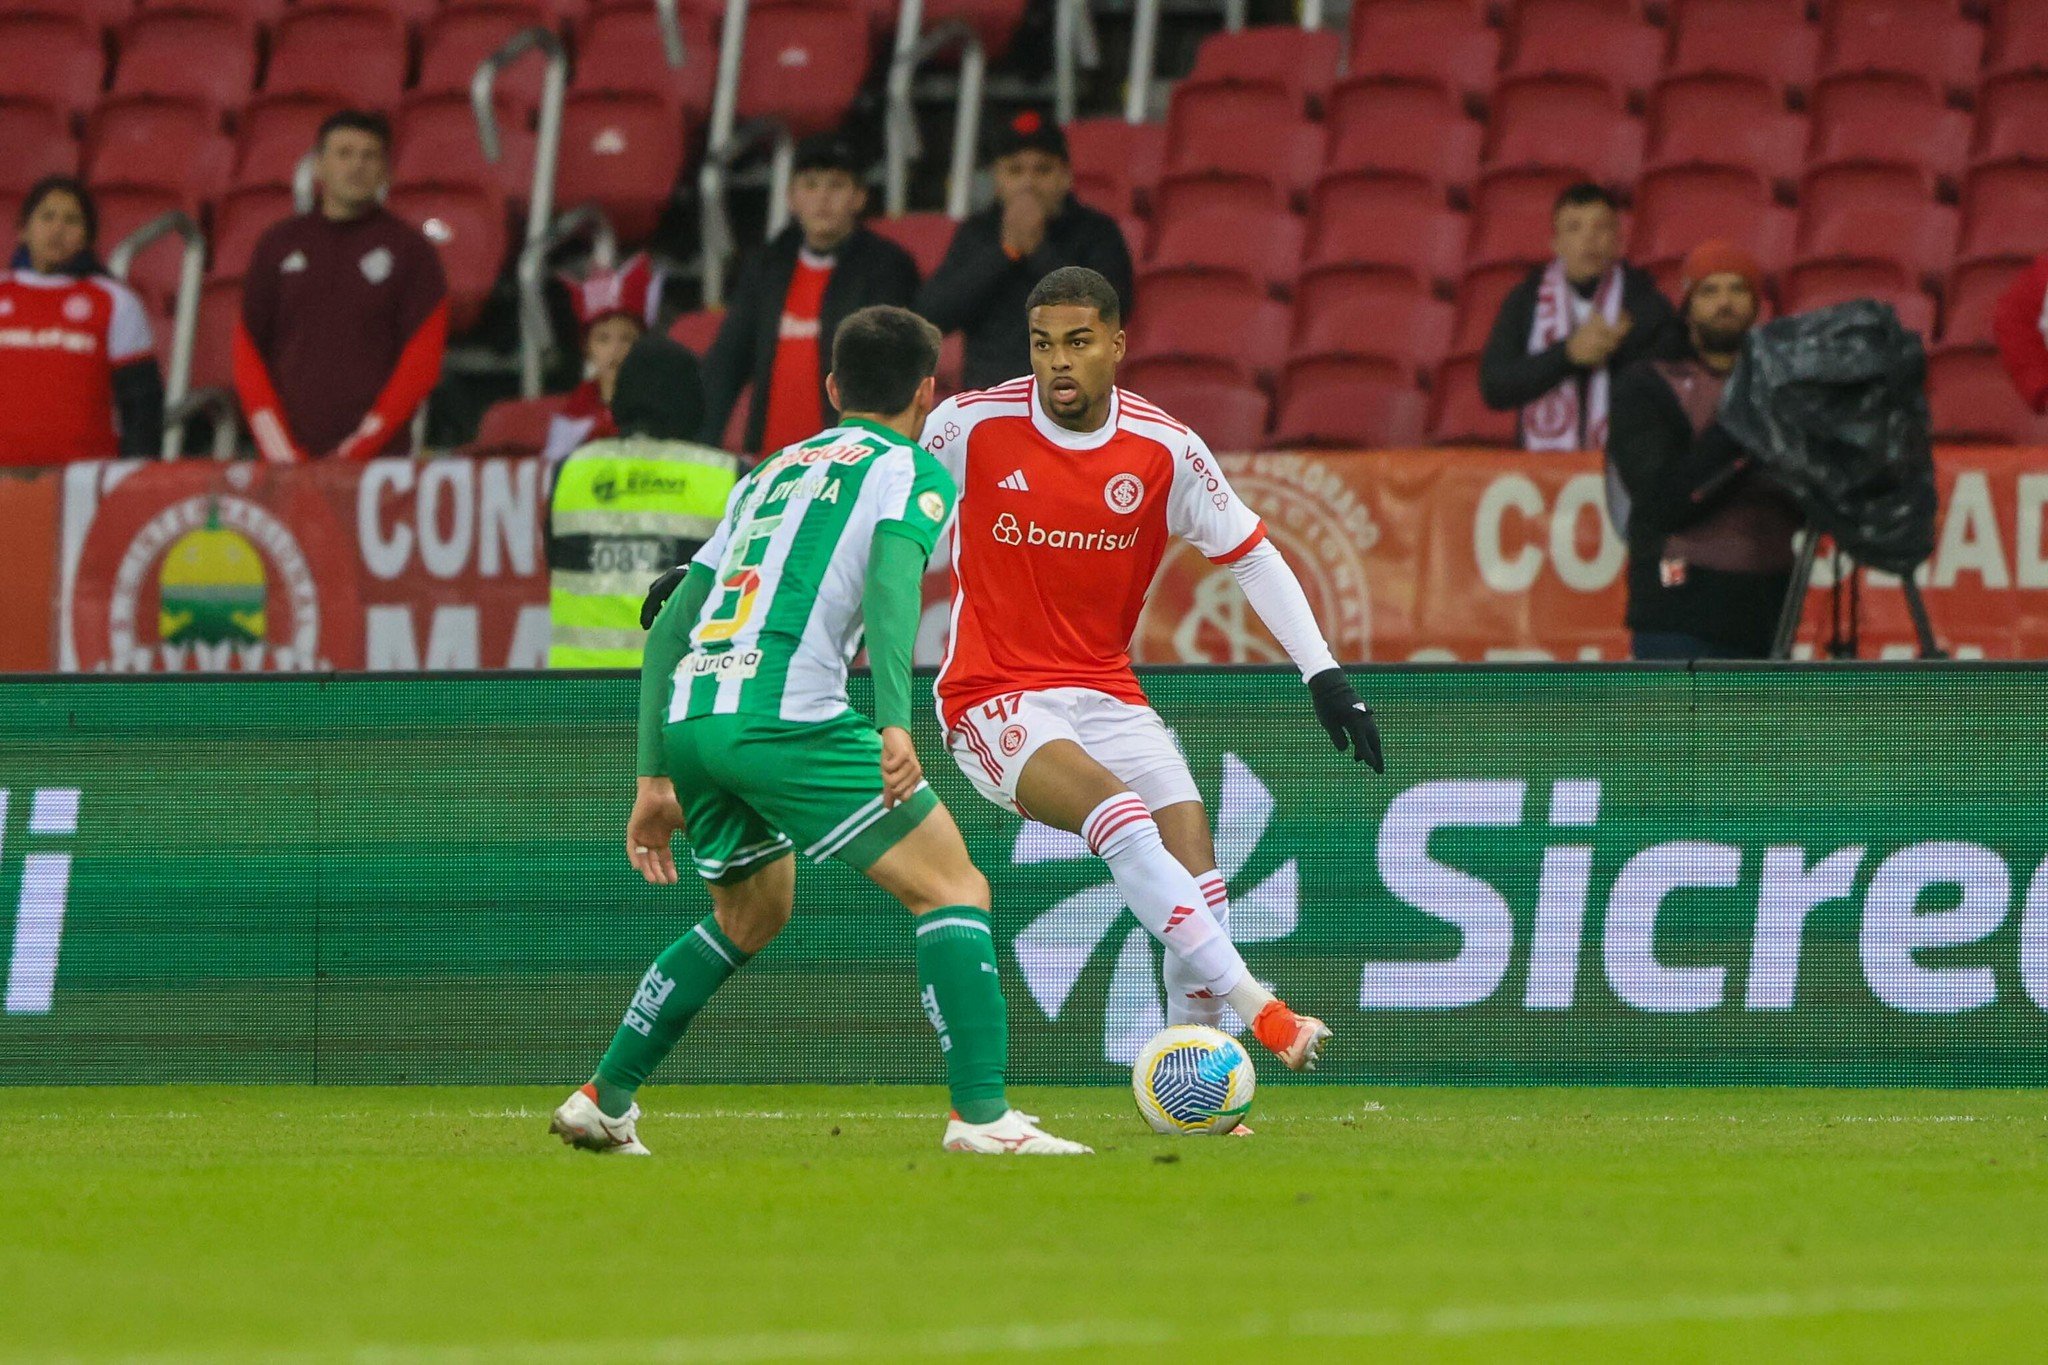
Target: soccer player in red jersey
[(1069, 490)]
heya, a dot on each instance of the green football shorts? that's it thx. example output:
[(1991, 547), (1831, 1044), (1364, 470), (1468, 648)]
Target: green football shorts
[(752, 789)]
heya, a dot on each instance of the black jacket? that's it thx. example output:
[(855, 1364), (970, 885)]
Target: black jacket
[(869, 270), (979, 291), (1511, 378)]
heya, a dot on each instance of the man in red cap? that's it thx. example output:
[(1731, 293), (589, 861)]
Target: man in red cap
[(1709, 534)]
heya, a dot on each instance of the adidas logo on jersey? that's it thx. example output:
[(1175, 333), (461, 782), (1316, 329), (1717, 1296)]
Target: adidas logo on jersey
[(1016, 482)]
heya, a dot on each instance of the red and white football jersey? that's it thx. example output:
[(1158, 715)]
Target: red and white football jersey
[(1058, 536), (60, 339)]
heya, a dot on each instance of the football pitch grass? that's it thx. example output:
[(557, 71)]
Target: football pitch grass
[(433, 1226)]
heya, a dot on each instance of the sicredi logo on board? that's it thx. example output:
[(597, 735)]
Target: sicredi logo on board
[(45, 885)]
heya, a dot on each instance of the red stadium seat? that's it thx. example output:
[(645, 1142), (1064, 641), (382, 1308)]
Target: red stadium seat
[(1426, 241), (1480, 296), (2012, 117), (468, 228), (1425, 42), (995, 21), (35, 141), (1726, 121), (51, 57), (622, 152), (1304, 61), (926, 236), (1584, 38), (1237, 326), (1971, 398), (1128, 157), (620, 50), (697, 329), (1939, 47), (140, 140), (1376, 314), (1573, 123), (515, 427), (1200, 192), (2022, 39), (1459, 416), (1677, 209), (123, 209), (1261, 247), (250, 12), (1821, 284), (1338, 403), (803, 65), (1876, 213), (190, 54), (213, 340), (1511, 212), (1890, 120), (2005, 204), (1169, 372), (351, 52), (438, 144), (1205, 109), (462, 35), (1972, 295), (276, 131), (1405, 129), (101, 14), (1768, 41), (242, 216), (1229, 414), (1287, 156)]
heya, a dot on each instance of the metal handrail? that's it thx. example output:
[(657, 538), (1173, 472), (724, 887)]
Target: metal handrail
[(218, 404), (1144, 59), (721, 150), (547, 153), (1075, 45), (913, 49), (666, 14), (185, 315)]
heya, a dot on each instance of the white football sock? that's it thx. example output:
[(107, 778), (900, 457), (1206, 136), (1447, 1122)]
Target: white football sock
[(1163, 894), (1188, 999)]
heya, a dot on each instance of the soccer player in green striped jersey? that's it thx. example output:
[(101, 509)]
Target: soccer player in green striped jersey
[(748, 745)]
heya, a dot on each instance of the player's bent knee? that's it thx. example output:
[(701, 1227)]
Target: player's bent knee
[(751, 913)]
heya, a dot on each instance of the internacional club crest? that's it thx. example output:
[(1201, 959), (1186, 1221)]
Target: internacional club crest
[(1123, 493)]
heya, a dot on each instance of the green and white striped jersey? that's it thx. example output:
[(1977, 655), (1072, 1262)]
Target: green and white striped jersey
[(791, 563)]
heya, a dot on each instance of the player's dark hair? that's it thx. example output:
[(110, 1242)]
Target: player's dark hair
[(361, 120), (1581, 194), (879, 357), (1077, 285), (63, 184)]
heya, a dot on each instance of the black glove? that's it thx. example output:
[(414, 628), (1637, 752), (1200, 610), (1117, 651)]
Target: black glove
[(658, 592), (1346, 716)]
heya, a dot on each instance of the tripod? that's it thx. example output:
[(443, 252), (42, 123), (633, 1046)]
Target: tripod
[(1848, 624)]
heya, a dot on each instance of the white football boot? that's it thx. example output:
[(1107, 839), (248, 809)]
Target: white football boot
[(1296, 1039), (1014, 1134), (580, 1123)]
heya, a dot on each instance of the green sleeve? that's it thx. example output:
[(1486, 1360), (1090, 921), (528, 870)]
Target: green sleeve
[(890, 609), (667, 643)]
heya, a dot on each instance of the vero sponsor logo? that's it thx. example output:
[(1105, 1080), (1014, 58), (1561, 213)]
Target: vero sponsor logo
[(45, 884)]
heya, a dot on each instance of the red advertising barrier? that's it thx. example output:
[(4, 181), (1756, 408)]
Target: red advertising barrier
[(396, 564)]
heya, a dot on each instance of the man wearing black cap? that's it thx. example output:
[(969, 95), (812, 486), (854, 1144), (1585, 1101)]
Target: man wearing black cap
[(794, 292), (1034, 227)]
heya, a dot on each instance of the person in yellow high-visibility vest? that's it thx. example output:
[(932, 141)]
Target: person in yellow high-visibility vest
[(629, 507)]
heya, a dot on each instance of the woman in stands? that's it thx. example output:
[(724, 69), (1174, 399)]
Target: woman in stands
[(77, 362)]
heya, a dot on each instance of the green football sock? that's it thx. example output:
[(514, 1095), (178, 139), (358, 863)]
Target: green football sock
[(674, 989), (956, 977)]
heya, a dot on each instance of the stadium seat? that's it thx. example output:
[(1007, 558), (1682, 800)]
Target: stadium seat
[(250, 12), (1263, 247), (1405, 129), (1479, 298), (191, 54), (1205, 109), (1573, 123), (1373, 313), (619, 50), (35, 141), (2021, 45), (1426, 241), (926, 236), (243, 215), (1678, 208), (1206, 192), (803, 66), (1459, 416), (2005, 204), (1971, 398), (514, 427), (1129, 157), (2012, 118), (1971, 298), (1768, 41), (354, 53), (1584, 38), (1304, 61), (105, 15), (1425, 42), (623, 152), (1935, 45), (51, 57), (1229, 414), (995, 21), (1176, 371), (462, 35), (468, 228), (1511, 212), (275, 131), (1286, 156), (213, 339), (1821, 284), (173, 144), (697, 329), (1237, 326), (123, 209), (438, 144), (1339, 403), (1884, 213), (1740, 121), (1890, 120)]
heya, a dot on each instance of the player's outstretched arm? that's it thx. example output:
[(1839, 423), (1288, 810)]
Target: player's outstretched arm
[(890, 606), (1275, 594)]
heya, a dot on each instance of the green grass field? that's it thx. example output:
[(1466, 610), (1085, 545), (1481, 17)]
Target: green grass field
[(417, 1226)]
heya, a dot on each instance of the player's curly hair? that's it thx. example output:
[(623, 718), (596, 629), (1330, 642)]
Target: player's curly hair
[(1077, 285), (879, 357)]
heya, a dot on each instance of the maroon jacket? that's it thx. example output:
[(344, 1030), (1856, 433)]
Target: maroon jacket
[(341, 335)]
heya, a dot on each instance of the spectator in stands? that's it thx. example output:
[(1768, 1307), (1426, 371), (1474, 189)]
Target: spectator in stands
[(344, 312), (997, 256), (1709, 533), (614, 309), (2020, 327), (76, 357), (795, 291), (1573, 323)]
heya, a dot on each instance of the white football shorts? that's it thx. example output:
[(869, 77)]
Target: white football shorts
[(994, 739)]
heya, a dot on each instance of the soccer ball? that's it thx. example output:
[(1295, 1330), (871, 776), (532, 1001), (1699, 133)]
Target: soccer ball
[(1193, 1079)]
